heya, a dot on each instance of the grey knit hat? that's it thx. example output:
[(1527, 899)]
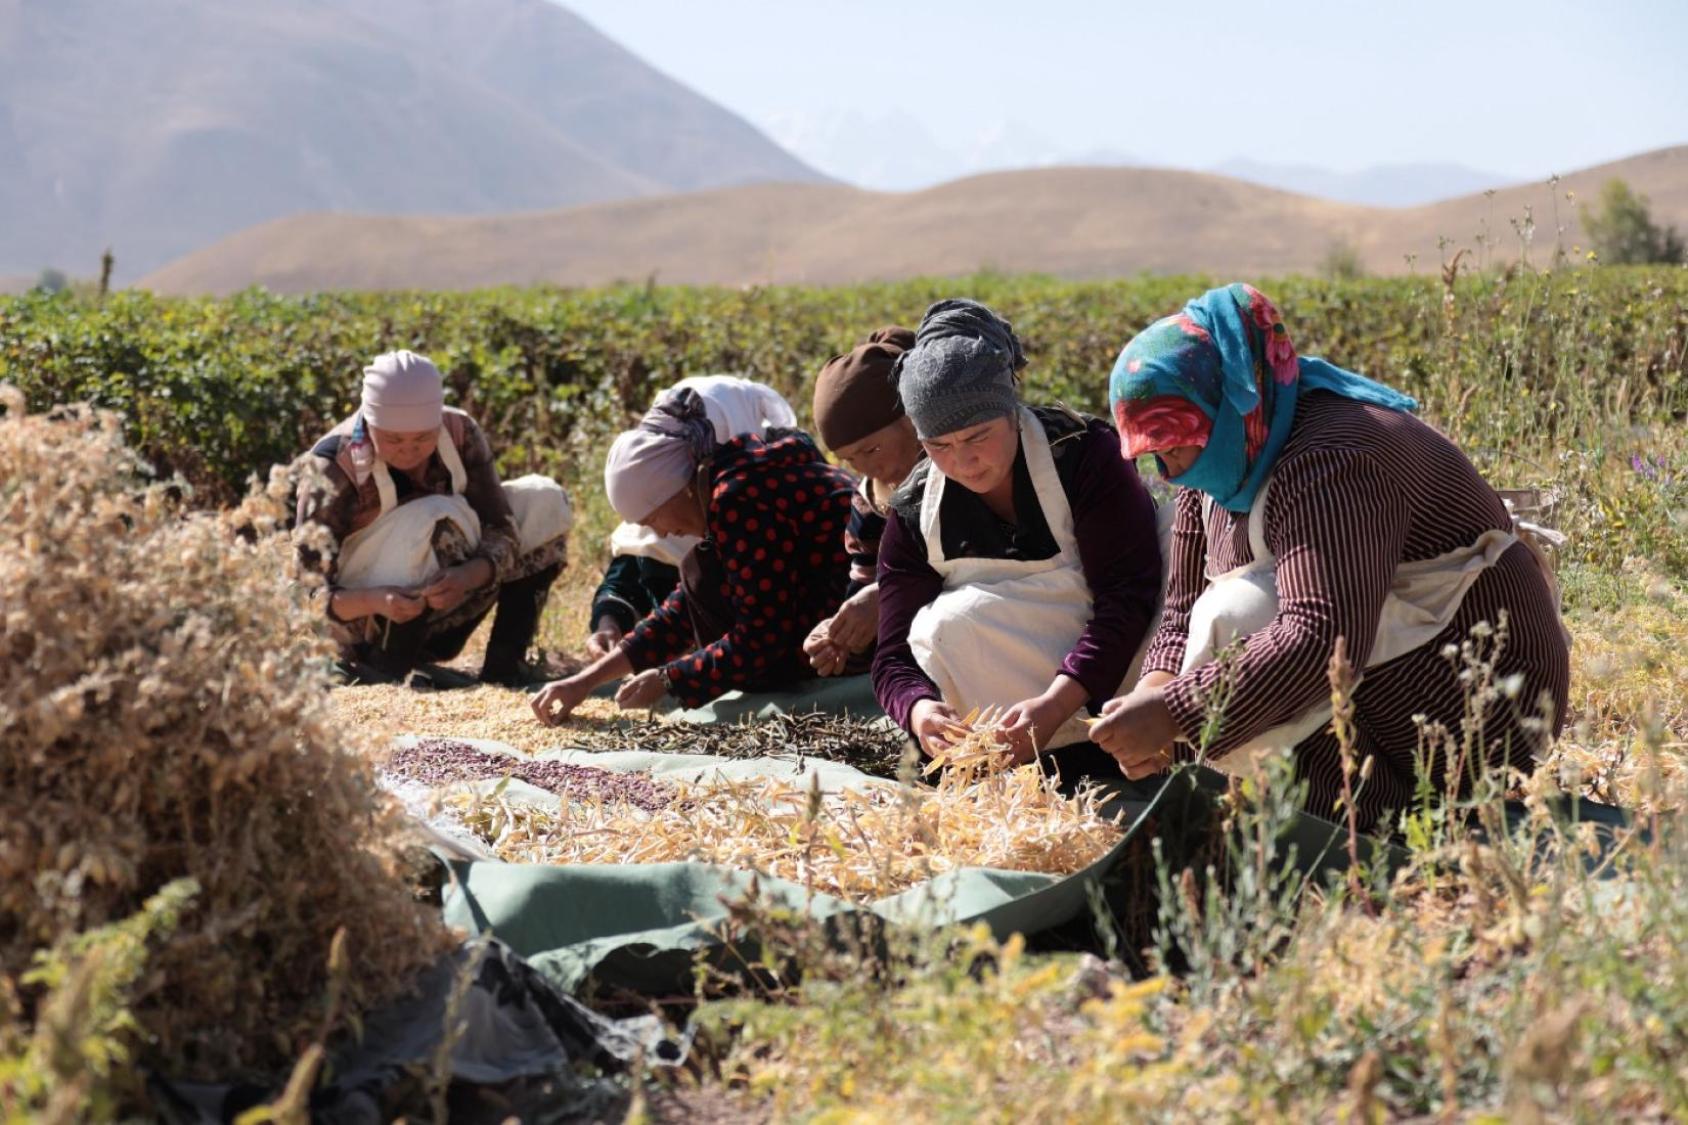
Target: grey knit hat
[(961, 370)]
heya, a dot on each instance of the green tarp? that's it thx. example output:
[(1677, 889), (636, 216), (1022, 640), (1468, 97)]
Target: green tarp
[(638, 927), (641, 927)]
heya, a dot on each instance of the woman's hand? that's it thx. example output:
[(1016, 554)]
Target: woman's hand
[(557, 700), (935, 725), (1150, 680), (604, 638), (399, 606), (395, 603), (455, 583), (1138, 731), (856, 623), (825, 657), (829, 660), (643, 690), (1028, 726)]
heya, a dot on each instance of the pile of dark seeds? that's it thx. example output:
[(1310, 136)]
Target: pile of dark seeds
[(872, 746), (444, 761)]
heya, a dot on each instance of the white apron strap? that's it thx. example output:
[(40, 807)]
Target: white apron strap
[(1256, 529), (453, 463), (1051, 498), (931, 502), (447, 449), (385, 488)]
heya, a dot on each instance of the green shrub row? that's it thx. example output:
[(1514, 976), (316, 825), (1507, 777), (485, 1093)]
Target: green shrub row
[(219, 389)]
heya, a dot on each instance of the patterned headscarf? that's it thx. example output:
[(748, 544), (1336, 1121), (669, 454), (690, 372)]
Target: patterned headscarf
[(647, 466), (1223, 375)]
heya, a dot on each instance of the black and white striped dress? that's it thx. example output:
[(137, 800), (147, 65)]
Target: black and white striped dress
[(1356, 491)]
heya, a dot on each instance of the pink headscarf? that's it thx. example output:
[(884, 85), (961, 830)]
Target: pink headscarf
[(647, 466), (403, 391)]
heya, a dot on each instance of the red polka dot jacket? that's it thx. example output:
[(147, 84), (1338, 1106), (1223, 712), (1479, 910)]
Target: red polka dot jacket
[(777, 514)]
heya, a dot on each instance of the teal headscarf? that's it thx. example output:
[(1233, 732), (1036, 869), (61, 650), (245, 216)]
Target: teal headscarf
[(1223, 375)]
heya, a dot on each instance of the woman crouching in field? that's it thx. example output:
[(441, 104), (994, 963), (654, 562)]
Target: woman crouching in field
[(861, 420), (644, 566), (422, 538), (770, 566), (1020, 564), (1314, 507)]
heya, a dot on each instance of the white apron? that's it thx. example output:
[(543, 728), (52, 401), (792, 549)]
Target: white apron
[(641, 542), (397, 548), (1001, 628), (1422, 601)]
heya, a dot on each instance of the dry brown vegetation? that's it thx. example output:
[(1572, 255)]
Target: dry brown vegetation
[(163, 716), (1072, 222), (856, 844), (484, 711)]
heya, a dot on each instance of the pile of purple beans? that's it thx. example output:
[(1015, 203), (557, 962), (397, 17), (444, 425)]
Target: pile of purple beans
[(444, 761)]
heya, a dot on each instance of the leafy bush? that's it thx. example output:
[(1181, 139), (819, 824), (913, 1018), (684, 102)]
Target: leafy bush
[(221, 389)]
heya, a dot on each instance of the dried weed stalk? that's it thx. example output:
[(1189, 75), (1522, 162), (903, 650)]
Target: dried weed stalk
[(163, 715)]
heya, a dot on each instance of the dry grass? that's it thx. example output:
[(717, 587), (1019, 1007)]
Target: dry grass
[(163, 716), (860, 845), (1629, 692), (496, 713), (1484, 982)]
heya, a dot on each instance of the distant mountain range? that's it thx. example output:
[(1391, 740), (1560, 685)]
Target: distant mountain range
[(158, 126), (895, 152), (1074, 222), (304, 144), (1386, 185)]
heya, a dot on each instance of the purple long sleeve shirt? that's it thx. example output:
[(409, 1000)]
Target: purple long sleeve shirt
[(1114, 524)]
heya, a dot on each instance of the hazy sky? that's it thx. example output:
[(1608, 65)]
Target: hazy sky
[(1519, 89)]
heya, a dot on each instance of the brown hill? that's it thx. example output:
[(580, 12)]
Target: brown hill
[(1075, 222), (158, 127), (1484, 222)]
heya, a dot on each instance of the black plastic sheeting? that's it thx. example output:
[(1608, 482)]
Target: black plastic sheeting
[(523, 1050)]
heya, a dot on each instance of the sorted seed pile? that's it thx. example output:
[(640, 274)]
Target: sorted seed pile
[(872, 746), (499, 715), (445, 761)]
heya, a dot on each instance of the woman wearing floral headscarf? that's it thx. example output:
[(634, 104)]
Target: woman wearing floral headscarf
[(1315, 507), (770, 513)]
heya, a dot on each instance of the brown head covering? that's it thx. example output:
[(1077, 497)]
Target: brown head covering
[(856, 393)]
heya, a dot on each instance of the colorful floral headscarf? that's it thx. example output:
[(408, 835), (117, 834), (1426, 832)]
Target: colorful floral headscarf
[(1222, 375)]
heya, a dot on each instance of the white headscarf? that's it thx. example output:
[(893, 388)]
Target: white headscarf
[(737, 405), (648, 465)]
